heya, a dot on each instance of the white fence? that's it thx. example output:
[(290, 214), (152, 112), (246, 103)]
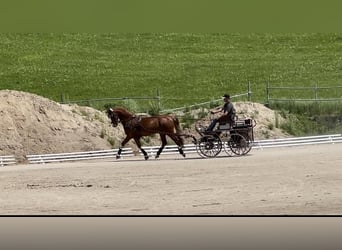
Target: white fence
[(7, 160), (169, 149), (298, 141), (103, 154), (78, 156), (189, 148)]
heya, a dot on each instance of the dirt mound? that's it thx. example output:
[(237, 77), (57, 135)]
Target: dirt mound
[(31, 124), (267, 120)]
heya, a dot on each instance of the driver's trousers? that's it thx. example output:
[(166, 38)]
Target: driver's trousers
[(222, 119)]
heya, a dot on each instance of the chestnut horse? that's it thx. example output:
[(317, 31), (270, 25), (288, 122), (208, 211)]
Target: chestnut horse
[(136, 127)]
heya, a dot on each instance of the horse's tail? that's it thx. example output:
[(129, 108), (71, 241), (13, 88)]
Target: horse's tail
[(177, 125), (178, 129)]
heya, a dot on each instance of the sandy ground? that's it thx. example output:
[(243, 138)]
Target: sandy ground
[(296, 181)]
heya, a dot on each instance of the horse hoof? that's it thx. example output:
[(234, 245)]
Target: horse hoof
[(146, 157), (184, 155), (157, 156), (118, 157)]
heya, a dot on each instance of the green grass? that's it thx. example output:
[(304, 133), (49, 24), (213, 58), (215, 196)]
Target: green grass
[(310, 118), (310, 109), (186, 68)]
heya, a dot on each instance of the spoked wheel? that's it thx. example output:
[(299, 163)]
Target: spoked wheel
[(239, 145), (209, 146), (249, 146), (225, 137), (227, 149)]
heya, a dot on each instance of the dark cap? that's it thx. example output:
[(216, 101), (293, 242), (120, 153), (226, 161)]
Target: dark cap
[(226, 96)]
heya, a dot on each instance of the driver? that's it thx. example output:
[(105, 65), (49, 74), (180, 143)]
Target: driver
[(228, 113)]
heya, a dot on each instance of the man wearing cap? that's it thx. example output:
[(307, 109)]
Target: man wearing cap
[(228, 113)]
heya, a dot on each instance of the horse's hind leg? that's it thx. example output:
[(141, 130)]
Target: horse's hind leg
[(164, 142), (137, 141), (180, 150), (179, 141)]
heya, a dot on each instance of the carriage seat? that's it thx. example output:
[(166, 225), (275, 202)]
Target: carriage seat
[(243, 123), (224, 126), (237, 124)]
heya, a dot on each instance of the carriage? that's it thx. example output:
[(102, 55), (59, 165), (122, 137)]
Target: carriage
[(234, 138)]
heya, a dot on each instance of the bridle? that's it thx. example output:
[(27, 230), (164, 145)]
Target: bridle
[(114, 117)]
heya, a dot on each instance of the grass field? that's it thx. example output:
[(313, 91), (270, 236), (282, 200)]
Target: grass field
[(186, 68)]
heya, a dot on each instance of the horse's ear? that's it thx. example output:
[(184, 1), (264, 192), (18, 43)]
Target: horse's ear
[(109, 111)]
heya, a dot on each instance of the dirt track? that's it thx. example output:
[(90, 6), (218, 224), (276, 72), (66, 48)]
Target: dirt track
[(300, 180)]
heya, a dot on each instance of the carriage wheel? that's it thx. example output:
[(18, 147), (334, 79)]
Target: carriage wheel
[(227, 149), (209, 146), (249, 145), (239, 145), (225, 137)]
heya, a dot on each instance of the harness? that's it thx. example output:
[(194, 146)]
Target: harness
[(134, 122)]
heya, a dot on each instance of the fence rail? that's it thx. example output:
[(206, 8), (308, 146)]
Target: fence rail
[(170, 149), (313, 89), (197, 105), (189, 148), (78, 156), (7, 160), (158, 98), (298, 141)]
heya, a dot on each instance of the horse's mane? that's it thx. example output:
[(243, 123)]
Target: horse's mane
[(122, 109)]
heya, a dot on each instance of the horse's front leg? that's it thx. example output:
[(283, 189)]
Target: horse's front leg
[(123, 143), (137, 141)]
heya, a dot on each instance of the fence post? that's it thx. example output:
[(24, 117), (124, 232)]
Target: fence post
[(267, 92), (331, 140), (151, 152), (249, 91), (158, 98)]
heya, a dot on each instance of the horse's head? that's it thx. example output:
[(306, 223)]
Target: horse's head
[(113, 117)]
